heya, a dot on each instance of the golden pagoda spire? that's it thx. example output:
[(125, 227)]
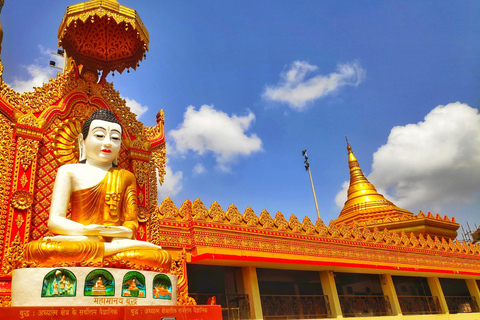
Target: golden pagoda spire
[(364, 203)]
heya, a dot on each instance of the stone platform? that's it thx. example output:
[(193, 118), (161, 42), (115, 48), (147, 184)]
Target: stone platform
[(113, 313), (86, 286)]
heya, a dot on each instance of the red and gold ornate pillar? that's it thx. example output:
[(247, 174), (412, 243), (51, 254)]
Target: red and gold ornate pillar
[(27, 134), (140, 160)]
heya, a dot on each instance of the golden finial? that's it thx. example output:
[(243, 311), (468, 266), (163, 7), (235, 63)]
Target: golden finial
[(351, 156)]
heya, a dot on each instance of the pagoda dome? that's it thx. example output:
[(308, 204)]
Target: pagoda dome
[(103, 35), (364, 203), (366, 207)]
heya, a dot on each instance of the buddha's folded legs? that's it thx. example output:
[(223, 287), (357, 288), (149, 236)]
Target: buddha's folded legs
[(47, 253), (156, 258)]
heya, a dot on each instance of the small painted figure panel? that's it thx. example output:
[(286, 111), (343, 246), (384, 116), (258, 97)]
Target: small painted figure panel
[(99, 282), (59, 283), (133, 285), (162, 287)]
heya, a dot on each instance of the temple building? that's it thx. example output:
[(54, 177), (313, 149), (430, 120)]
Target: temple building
[(375, 260)]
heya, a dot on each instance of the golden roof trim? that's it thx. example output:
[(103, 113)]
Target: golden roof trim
[(197, 214)]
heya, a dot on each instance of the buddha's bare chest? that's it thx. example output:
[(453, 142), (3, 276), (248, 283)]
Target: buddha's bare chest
[(86, 177)]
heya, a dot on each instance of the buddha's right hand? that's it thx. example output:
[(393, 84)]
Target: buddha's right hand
[(94, 229)]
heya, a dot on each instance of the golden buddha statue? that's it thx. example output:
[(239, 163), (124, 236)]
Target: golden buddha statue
[(103, 201)]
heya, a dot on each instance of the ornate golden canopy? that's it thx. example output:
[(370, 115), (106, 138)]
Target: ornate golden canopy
[(103, 35)]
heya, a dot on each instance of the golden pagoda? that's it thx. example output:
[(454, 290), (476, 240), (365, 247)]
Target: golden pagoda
[(366, 207)]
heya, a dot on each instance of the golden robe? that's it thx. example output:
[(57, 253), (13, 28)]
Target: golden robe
[(112, 202)]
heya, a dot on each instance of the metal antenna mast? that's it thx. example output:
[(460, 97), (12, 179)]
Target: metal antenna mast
[(307, 168)]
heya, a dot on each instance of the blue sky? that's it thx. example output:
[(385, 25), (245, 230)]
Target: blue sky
[(247, 85)]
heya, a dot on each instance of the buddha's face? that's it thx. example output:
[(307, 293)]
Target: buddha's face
[(103, 141)]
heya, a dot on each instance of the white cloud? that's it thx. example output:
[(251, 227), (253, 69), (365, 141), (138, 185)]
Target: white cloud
[(295, 89), (212, 130), (199, 169), (341, 196), (172, 184), (39, 72), (135, 107), (430, 164)]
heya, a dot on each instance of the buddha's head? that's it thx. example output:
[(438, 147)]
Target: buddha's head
[(101, 138)]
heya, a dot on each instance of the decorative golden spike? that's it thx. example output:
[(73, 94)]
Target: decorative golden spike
[(199, 211), (280, 222), (250, 217), (356, 233), (387, 236), (266, 220), (308, 226), (333, 230), (233, 215), (377, 235), (413, 240), (345, 231), (367, 234), (321, 228), (167, 209), (216, 212), (185, 210), (438, 243), (294, 224), (395, 237), (422, 241), (404, 238)]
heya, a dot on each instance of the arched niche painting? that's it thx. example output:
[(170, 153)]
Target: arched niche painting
[(99, 282), (59, 283), (133, 285), (162, 287)]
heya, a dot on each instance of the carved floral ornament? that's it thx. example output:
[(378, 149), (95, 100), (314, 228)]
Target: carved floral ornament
[(143, 214), (21, 199), (27, 151), (141, 170)]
